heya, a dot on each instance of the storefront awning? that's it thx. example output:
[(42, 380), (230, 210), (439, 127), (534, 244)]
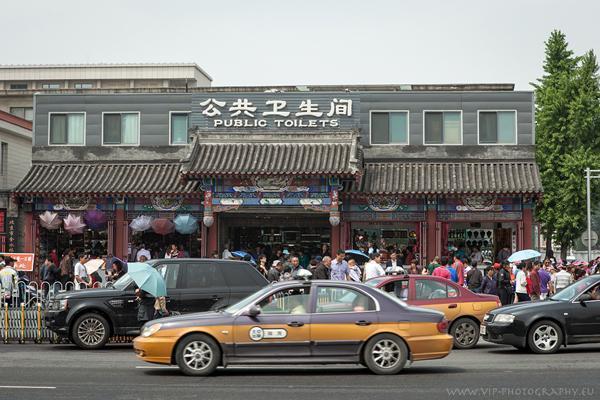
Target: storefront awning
[(300, 155), (105, 179), (452, 178)]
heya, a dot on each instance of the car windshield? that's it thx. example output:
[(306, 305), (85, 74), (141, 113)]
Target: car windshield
[(247, 301), (573, 290), (123, 282)]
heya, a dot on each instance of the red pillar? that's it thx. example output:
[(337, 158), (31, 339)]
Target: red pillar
[(431, 242), (335, 239), (527, 227), (29, 237), (212, 237), (121, 241)]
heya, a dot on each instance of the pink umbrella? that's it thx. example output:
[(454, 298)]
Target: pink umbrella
[(50, 220), (163, 226), (73, 224)]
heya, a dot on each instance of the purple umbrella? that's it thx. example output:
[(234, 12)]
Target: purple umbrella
[(95, 219)]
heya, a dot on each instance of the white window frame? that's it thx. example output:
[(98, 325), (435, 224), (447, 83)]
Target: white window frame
[(50, 144), (171, 121), (390, 111), (122, 112), (50, 86), (499, 144), (462, 131), (83, 83)]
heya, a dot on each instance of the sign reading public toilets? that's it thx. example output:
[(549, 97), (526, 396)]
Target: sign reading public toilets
[(277, 111)]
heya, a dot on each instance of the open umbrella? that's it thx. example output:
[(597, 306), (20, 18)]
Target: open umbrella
[(73, 224), (162, 226), (50, 220), (358, 254), (93, 265), (95, 219), (147, 279), (242, 254), (185, 224), (141, 223), (524, 255)]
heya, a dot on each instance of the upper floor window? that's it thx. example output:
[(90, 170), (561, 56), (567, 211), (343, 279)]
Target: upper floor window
[(389, 127), (50, 85), (18, 86), (121, 128), (3, 158), (443, 127), (179, 125), (67, 128), (23, 112), (497, 127), (83, 85)]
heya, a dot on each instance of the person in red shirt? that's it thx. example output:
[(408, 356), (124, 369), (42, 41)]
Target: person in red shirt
[(441, 270), (533, 282), (460, 270)]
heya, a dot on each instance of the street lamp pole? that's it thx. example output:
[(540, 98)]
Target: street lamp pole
[(588, 177)]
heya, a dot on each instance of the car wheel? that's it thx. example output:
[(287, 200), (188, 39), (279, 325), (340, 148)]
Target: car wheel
[(465, 332), (385, 354), (91, 331), (545, 337), (198, 355)]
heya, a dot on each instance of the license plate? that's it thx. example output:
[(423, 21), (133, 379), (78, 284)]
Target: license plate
[(482, 329)]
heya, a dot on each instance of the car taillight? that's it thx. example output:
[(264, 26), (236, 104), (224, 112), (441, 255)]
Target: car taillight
[(443, 326)]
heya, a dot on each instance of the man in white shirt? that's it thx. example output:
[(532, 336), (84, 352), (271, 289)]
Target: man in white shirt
[(81, 276), (143, 252), (562, 279), (393, 266), (521, 284), (373, 268)]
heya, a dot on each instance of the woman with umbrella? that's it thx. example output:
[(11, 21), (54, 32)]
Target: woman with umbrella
[(151, 290)]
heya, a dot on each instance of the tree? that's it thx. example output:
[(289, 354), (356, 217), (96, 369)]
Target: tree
[(567, 138)]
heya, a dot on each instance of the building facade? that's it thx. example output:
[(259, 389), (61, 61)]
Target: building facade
[(311, 169)]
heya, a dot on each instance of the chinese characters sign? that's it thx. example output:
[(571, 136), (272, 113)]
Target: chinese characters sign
[(24, 261), (262, 111)]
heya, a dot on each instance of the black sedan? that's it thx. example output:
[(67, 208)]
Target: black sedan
[(571, 316)]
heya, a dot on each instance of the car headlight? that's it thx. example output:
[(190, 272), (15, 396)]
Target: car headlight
[(59, 305), (504, 318), (151, 330)]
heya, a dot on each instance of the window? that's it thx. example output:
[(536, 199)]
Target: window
[(497, 127), (83, 85), (3, 159), (429, 289), (179, 125), (18, 86), (67, 128), (389, 127), (287, 301), (398, 289), (121, 128), (334, 299), (23, 112), (203, 276), (443, 127), (50, 85), (170, 273), (242, 275)]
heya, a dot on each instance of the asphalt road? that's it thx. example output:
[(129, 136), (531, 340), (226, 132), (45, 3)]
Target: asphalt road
[(491, 372)]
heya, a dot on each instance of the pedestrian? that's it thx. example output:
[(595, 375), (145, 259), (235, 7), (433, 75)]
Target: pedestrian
[(274, 274), (414, 269), (433, 265), (459, 267), (521, 283), (172, 252), (182, 252), (145, 306), (323, 269), (373, 268), (476, 255), (143, 252), (393, 265), (441, 270), (8, 279), (544, 282), (488, 283), (51, 275), (355, 274), (339, 267), (504, 283), (503, 254), (562, 279), (261, 266), (452, 270), (474, 278), (325, 251), (535, 290), (82, 280), (66, 270), (296, 267)]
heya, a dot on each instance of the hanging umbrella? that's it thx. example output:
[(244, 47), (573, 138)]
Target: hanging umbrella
[(357, 253), (185, 224), (141, 223), (147, 279), (162, 226), (524, 255), (50, 220), (73, 224), (93, 265), (95, 219), (242, 254)]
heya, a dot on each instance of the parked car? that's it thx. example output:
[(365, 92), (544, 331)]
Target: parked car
[(90, 317), (572, 316), (300, 322), (463, 308)]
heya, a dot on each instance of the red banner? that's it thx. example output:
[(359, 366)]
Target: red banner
[(24, 261)]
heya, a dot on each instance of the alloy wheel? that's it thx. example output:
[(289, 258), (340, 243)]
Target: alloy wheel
[(545, 337), (465, 334), (197, 355), (386, 353), (91, 331)]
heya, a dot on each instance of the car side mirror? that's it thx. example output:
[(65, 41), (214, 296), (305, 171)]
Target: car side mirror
[(253, 311), (585, 297)]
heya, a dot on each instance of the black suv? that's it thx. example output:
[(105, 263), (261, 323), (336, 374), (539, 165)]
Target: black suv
[(90, 317)]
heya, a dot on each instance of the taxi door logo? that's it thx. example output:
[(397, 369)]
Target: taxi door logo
[(257, 333)]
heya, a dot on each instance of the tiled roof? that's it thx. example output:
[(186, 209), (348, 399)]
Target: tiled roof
[(324, 158), (452, 177), (13, 119), (105, 179)]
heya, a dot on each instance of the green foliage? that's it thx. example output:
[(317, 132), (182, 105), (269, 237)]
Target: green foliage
[(567, 137)]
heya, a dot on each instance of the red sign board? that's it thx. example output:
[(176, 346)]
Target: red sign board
[(24, 261)]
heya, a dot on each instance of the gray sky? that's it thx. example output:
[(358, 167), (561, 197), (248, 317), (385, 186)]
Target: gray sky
[(305, 42)]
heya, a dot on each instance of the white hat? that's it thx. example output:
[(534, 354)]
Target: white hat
[(275, 263)]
